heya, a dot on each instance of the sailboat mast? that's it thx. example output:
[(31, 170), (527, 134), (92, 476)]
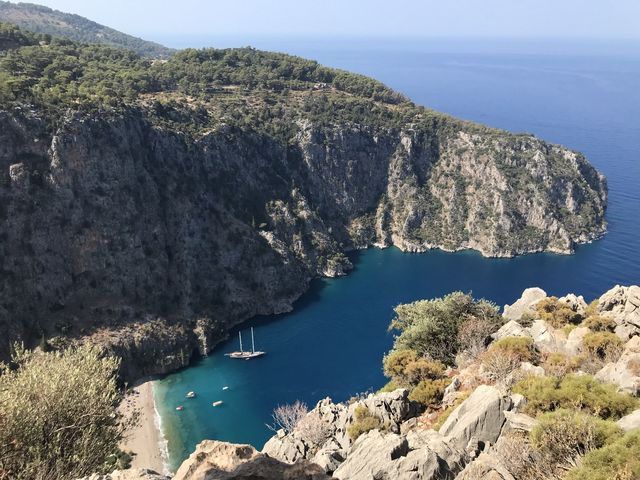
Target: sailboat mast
[(240, 335), (253, 348)]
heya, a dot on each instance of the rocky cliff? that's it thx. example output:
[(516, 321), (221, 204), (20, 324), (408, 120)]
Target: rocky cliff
[(150, 206), (157, 242)]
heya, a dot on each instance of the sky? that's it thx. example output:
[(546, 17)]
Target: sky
[(382, 18)]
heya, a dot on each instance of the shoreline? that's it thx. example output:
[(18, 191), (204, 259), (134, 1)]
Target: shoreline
[(144, 438)]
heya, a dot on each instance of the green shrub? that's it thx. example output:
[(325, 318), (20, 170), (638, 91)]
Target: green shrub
[(598, 323), (582, 392), (520, 347), (557, 314), (423, 369), (57, 415), (558, 364), (603, 345), (396, 361), (562, 436), (618, 461), (429, 392), (430, 327), (363, 423)]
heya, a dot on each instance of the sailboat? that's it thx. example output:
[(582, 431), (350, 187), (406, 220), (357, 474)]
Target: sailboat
[(245, 355)]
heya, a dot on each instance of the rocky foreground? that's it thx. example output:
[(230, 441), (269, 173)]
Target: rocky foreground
[(480, 430)]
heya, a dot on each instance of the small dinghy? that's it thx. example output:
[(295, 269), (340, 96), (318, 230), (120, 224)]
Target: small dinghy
[(225, 388), (218, 403), (191, 395), (180, 408)]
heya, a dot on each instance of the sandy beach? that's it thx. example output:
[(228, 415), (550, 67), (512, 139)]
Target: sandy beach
[(143, 439)]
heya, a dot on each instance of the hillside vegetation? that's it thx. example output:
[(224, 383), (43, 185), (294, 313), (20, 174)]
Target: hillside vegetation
[(44, 20)]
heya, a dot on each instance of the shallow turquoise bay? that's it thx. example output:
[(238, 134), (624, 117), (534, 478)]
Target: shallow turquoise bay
[(333, 342)]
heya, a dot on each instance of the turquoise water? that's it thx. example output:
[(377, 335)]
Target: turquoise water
[(583, 96)]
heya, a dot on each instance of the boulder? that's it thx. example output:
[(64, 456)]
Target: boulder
[(511, 329), (486, 467), (525, 304), (286, 448), (372, 453), (479, 418), (573, 345), (546, 338), (519, 421), (626, 371), (630, 422), (329, 457), (213, 460), (623, 305), (531, 369), (131, 474)]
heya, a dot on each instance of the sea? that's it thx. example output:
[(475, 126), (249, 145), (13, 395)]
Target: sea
[(582, 94)]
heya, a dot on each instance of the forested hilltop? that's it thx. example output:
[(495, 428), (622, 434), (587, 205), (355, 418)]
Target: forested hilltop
[(44, 20), (150, 204)]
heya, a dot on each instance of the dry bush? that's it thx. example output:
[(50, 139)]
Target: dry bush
[(498, 365), (555, 313), (605, 346), (598, 323), (473, 335), (558, 364), (313, 429), (429, 393), (286, 417), (58, 415), (364, 422)]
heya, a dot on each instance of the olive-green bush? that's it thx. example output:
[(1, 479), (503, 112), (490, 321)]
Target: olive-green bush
[(618, 461), (58, 415), (581, 392), (364, 422), (557, 314), (603, 345), (429, 393)]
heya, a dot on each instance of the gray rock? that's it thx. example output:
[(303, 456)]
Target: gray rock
[(511, 329), (623, 305), (519, 421), (486, 467), (630, 422), (531, 369), (480, 417), (626, 371), (573, 345), (371, 454), (525, 304), (576, 303), (329, 457), (213, 460), (546, 338)]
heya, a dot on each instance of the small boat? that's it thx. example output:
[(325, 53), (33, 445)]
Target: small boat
[(218, 403), (242, 355), (225, 388), (191, 394), (180, 408)]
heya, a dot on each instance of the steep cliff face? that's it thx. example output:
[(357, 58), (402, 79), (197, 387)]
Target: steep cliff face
[(155, 241)]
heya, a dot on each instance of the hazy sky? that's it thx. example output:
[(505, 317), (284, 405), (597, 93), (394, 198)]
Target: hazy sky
[(486, 18)]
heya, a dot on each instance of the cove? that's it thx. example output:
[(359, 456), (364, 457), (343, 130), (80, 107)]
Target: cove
[(333, 342)]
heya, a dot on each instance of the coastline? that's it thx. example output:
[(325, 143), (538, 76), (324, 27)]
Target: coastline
[(144, 438)]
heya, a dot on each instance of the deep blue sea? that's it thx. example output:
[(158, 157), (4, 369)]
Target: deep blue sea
[(582, 95)]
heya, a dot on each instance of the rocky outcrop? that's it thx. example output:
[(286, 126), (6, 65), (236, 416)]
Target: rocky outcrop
[(630, 422), (226, 461), (110, 224), (623, 305), (525, 304), (626, 371)]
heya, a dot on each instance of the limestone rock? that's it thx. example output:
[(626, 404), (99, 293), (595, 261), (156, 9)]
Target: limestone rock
[(511, 329), (623, 305), (519, 421), (626, 371), (630, 422), (573, 345), (213, 460), (546, 338), (525, 304), (130, 474), (486, 467), (531, 369), (480, 418), (372, 453), (576, 303)]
